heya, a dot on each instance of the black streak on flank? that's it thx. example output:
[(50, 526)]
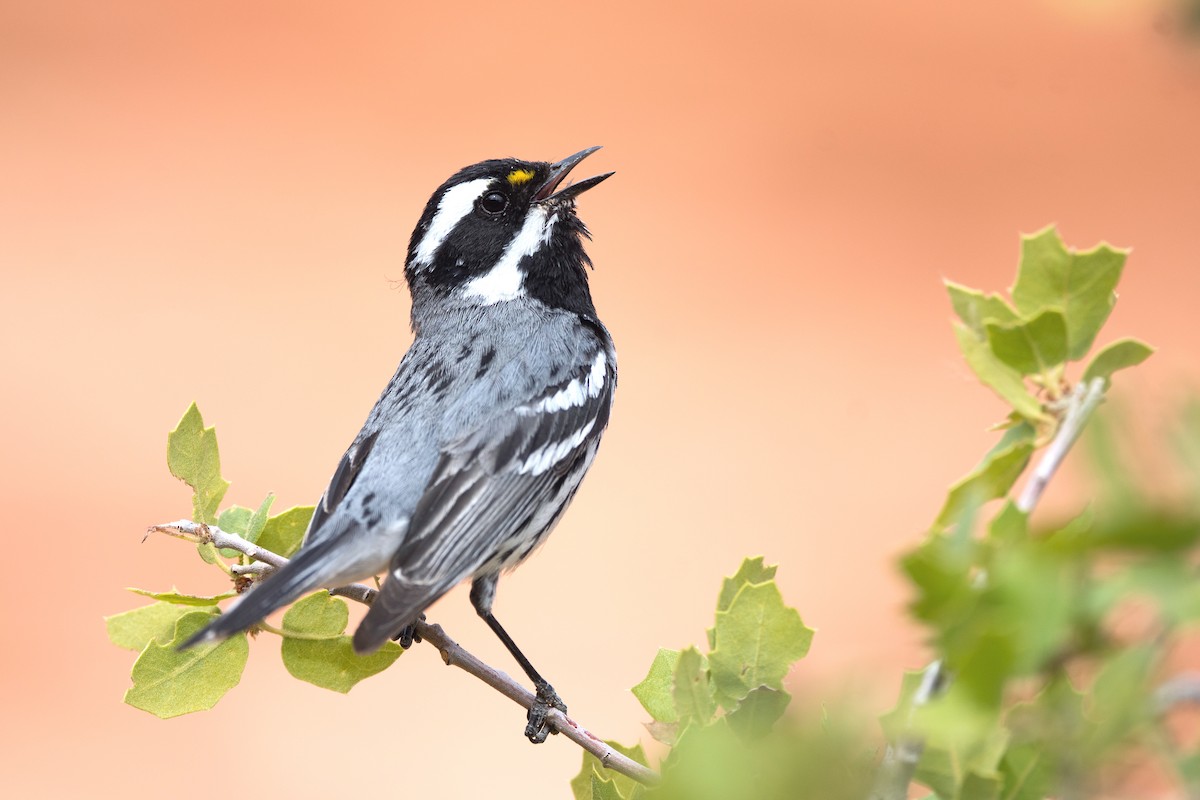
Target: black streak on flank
[(464, 352), (485, 362)]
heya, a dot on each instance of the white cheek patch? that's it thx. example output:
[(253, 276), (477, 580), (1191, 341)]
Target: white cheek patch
[(455, 204), (505, 280)]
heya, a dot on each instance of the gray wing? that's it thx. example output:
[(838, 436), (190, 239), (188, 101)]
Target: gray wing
[(492, 492), (343, 478)]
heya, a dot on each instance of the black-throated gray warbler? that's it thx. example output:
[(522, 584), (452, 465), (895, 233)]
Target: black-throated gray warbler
[(481, 438)]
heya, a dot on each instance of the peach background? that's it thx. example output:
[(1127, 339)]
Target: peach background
[(209, 201)]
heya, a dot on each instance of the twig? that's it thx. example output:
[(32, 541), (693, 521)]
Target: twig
[(900, 760), (1183, 689), (1079, 407), (452, 653)]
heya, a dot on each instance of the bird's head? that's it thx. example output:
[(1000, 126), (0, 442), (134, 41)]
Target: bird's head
[(501, 230)]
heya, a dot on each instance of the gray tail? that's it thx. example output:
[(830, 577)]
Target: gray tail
[(297, 577), (398, 603)]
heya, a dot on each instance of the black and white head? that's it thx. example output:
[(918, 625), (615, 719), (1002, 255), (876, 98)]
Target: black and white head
[(500, 230)]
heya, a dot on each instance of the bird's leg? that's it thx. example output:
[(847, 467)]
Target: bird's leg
[(407, 635), (483, 591), (536, 727)]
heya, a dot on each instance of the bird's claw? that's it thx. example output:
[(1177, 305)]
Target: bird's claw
[(407, 635), (537, 726)]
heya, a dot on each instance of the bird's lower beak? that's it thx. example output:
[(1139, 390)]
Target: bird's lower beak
[(559, 171)]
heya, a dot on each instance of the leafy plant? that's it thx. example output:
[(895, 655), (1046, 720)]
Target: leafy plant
[(1051, 643)]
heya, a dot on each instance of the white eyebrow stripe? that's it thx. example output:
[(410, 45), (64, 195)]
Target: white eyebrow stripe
[(505, 280), (455, 204)]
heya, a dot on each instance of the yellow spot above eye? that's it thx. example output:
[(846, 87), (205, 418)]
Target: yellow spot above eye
[(519, 176)]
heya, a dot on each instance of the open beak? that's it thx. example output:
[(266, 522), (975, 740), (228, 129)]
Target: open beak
[(559, 171)]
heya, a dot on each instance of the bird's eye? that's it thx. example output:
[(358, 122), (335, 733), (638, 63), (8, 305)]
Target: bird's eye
[(493, 202)]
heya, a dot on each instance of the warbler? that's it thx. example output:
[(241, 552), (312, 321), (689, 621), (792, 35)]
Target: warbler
[(480, 440)]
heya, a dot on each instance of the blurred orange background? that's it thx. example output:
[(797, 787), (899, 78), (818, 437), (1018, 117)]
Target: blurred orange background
[(211, 201)]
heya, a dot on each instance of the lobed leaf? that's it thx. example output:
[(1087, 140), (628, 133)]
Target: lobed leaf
[(591, 769), (1033, 346), (192, 457), (976, 309), (135, 629), (168, 682), (758, 639), (655, 692), (604, 790), (758, 711), (1081, 284), (692, 693), (1026, 773)]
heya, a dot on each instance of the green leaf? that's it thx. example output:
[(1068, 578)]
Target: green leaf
[(996, 375), (1119, 702), (244, 522), (1031, 347), (693, 694), (758, 712), (655, 690), (258, 520), (758, 640), (1080, 284), (193, 458), (208, 552), (963, 770), (976, 309), (993, 477), (940, 569), (604, 790), (234, 520), (1026, 773), (328, 662), (1009, 526), (135, 629), (592, 769), (176, 598), (284, 532), (1121, 354), (168, 683), (752, 570)]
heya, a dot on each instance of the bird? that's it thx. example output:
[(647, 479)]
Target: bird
[(481, 438)]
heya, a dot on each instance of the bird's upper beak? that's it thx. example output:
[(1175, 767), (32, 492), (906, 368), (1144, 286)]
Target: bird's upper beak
[(559, 171)]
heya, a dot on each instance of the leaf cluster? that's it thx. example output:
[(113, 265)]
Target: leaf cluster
[(168, 682), (722, 711)]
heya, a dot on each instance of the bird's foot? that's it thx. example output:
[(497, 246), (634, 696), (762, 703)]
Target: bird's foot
[(537, 726), (407, 635)]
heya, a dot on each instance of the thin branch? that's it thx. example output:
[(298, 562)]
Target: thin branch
[(1080, 404), (452, 653), (1183, 689), (900, 760)]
